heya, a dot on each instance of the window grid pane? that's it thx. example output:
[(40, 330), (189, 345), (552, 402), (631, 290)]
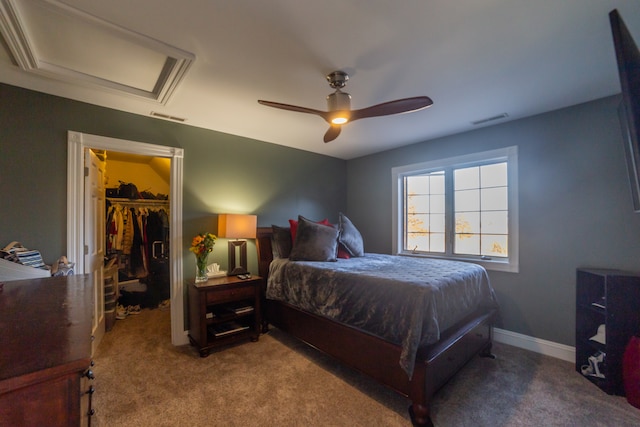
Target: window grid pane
[(494, 245), (425, 213), (481, 210)]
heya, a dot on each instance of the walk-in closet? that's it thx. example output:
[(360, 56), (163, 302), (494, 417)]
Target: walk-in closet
[(137, 225)]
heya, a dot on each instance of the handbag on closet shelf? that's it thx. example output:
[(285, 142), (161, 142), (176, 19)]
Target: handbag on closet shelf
[(128, 191)]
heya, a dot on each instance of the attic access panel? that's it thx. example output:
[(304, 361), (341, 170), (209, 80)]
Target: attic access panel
[(55, 40)]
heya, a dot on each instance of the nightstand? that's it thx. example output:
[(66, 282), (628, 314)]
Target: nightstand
[(223, 310)]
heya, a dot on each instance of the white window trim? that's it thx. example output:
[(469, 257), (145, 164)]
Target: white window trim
[(511, 264)]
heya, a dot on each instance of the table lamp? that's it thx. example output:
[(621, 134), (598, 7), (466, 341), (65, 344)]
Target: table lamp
[(237, 226)]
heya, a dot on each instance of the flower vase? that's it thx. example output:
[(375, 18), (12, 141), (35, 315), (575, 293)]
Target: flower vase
[(201, 268)]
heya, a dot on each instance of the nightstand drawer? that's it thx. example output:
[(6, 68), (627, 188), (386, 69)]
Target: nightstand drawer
[(231, 294)]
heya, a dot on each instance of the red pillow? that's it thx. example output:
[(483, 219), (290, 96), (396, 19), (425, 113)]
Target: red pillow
[(342, 252), (293, 223)]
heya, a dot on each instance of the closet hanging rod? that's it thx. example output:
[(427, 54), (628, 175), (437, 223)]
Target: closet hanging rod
[(138, 202)]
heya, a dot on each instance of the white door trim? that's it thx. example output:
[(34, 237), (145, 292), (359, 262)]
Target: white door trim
[(77, 142)]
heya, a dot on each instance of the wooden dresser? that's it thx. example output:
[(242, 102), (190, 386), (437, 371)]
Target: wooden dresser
[(45, 352)]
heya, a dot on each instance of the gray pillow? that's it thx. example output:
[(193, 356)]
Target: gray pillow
[(350, 237), (281, 241), (314, 242)]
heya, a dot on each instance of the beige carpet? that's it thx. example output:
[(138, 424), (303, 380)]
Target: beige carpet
[(142, 380)]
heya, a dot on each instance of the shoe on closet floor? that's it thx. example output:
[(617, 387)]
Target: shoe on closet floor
[(165, 305), (121, 312), (133, 309)]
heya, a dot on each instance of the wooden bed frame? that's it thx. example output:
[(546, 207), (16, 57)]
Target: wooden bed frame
[(379, 359)]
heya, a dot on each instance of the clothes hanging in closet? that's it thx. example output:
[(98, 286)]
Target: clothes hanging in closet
[(132, 232), (137, 264)]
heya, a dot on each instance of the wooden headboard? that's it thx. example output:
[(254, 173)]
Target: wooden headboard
[(265, 252)]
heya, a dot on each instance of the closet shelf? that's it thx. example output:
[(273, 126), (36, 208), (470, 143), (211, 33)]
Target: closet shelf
[(138, 202)]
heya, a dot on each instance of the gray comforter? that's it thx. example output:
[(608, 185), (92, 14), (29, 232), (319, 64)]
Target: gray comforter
[(407, 301)]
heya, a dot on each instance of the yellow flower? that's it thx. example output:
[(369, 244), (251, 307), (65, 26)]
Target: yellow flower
[(203, 243)]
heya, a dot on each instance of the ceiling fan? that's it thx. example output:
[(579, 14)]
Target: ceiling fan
[(339, 106)]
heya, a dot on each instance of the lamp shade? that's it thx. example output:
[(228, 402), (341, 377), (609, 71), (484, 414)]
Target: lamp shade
[(237, 226)]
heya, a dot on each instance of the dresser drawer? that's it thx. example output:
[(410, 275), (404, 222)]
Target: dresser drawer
[(231, 294)]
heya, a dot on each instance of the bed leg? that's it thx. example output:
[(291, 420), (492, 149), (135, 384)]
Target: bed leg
[(486, 351), (420, 415)]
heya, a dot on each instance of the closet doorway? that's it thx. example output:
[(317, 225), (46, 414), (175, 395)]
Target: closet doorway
[(137, 232), (78, 144)]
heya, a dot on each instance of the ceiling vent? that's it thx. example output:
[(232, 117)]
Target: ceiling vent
[(52, 39), (167, 117), (490, 119)]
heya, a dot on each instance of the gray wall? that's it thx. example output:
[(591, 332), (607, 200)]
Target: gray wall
[(574, 204), (222, 172), (575, 207)]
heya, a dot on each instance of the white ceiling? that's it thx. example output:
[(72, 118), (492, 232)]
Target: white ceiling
[(475, 58)]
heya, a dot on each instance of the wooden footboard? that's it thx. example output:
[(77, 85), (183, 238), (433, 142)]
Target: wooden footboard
[(377, 358)]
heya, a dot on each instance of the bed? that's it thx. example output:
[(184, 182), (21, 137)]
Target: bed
[(414, 356)]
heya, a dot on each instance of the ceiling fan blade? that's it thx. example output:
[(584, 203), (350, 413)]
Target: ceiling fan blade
[(398, 106), (323, 114), (332, 133)]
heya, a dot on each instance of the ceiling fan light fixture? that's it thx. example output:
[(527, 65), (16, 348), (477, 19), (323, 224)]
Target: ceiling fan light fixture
[(340, 118)]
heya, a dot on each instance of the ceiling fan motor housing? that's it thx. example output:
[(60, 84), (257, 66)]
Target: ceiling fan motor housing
[(339, 101)]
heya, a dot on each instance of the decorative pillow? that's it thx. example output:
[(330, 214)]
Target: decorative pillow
[(281, 242), (294, 226), (293, 223), (314, 242), (350, 237), (342, 252)]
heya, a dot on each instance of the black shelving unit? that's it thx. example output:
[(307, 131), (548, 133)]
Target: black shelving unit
[(610, 298)]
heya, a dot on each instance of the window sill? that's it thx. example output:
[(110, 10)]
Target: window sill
[(489, 265)]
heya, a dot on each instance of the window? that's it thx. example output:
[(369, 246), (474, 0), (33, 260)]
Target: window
[(459, 208)]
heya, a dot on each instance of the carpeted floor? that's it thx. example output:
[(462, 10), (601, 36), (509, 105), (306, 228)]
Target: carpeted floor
[(142, 380)]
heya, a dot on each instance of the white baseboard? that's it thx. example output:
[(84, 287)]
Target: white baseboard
[(548, 348)]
